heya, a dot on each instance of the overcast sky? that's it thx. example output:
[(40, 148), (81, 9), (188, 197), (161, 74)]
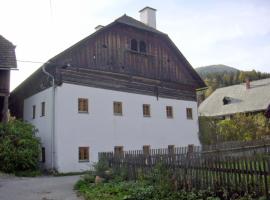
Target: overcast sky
[(230, 32)]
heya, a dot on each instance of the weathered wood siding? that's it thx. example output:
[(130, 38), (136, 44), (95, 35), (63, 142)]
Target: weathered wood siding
[(110, 51), (4, 81)]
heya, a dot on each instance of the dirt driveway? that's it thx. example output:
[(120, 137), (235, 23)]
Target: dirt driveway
[(39, 188)]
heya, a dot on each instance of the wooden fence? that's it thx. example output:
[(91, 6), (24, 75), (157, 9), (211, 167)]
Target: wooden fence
[(191, 168)]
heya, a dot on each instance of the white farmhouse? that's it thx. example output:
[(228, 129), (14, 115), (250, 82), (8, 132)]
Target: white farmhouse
[(123, 87)]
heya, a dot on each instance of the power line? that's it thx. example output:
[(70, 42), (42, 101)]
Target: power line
[(30, 61)]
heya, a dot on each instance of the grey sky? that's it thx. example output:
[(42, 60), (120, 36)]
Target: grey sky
[(231, 32)]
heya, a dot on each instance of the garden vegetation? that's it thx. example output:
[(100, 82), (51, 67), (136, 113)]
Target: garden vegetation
[(158, 185), (19, 148), (241, 127)]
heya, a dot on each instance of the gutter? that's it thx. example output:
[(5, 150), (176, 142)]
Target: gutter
[(52, 116)]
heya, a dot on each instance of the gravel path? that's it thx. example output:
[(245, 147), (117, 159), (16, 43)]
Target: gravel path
[(38, 188)]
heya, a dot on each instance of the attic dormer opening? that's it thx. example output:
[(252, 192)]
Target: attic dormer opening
[(134, 45), (142, 47), (226, 100)]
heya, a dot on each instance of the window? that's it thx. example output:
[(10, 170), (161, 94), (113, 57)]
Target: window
[(189, 113), (83, 105), (43, 155), (83, 153), (171, 149), (118, 150), (146, 110), (42, 109), (169, 111), (134, 45), (226, 100), (117, 108), (33, 112), (142, 47), (146, 149)]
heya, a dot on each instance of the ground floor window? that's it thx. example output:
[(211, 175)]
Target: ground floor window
[(43, 155), (189, 113), (84, 154), (146, 149), (118, 150)]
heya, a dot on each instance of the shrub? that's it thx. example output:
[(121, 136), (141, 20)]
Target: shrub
[(19, 147)]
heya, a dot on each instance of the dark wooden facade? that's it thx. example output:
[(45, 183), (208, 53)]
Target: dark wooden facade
[(7, 62), (106, 59)]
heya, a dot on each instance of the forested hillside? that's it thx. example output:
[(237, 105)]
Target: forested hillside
[(216, 76)]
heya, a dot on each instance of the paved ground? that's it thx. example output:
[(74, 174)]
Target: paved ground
[(39, 188)]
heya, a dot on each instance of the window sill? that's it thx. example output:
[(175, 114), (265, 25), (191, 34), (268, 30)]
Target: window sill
[(118, 114), (83, 112), (83, 161), (189, 118), (138, 52), (169, 117), (147, 116)]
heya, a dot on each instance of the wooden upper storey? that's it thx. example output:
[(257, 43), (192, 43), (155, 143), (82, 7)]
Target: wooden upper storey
[(125, 48)]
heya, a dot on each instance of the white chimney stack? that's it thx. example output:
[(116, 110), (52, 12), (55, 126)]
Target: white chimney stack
[(148, 16)]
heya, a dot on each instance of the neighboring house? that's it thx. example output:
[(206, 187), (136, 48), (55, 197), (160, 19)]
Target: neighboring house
[(249, 97), (7, 63), (123, 87)]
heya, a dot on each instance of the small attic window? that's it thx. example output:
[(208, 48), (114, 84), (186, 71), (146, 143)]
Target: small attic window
[(142, 47), (226, 100), (134, 45)]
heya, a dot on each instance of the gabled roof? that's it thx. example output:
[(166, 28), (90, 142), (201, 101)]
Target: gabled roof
[(129, 21), (7, 54), (239, 98)]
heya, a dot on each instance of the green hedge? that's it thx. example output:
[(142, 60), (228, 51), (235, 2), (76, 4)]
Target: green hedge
[(19, 147)]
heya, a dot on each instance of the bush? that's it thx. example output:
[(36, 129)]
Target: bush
[(19, 147)]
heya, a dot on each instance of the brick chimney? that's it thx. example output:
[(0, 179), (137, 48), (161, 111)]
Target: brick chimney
[(247, 83), (148, 16)]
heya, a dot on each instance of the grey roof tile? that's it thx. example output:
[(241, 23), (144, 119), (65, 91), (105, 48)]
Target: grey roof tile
[(7, 54)]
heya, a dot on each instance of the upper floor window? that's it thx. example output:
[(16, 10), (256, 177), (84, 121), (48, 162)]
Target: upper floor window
[(189, 113), (83, 105), (117, 108), (134, 45), (169, 111), (146, 110), (42, 109), (142, 47)]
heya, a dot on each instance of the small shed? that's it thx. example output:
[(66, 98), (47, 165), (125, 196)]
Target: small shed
[(7, 63)]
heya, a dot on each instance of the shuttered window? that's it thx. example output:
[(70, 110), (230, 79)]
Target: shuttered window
[(146, 149), (82, 105), (146, 110), (117, 108), (118, 150), (83, 153), (169, 111)]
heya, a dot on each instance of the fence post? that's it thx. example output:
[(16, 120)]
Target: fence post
[(265, 174)]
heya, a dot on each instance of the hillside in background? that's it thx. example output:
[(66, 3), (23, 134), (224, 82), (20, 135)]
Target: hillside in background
[(216, 76), (215, 69)]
